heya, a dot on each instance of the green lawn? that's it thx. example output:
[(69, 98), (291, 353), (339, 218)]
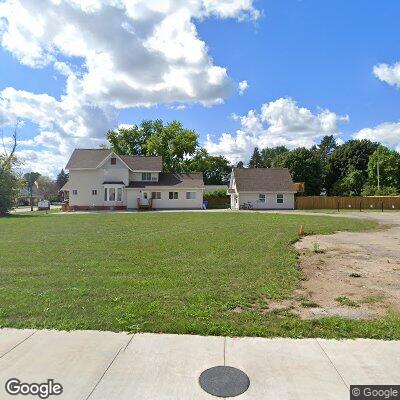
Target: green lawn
[(163, 272)]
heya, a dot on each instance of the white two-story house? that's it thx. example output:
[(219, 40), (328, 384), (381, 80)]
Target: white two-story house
[(100, 179)]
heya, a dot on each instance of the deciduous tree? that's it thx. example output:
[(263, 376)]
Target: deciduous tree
[(304, 166)]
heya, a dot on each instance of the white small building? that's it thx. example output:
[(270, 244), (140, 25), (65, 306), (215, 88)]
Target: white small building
[(100, 179), (261, 189)]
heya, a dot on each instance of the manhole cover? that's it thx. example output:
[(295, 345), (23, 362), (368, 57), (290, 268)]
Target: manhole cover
[(224, 381)]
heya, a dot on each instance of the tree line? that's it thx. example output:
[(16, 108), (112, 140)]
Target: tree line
[(178, 146), (356, 167)]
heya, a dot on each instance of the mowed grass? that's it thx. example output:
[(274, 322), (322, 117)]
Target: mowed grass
[(163, 272)]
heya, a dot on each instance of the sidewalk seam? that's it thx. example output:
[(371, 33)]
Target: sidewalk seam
[(224, 351), (129, 342), (104, 373), (333, 365), (19, 343)]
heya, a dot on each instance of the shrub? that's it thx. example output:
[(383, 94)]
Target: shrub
[(215, 194)]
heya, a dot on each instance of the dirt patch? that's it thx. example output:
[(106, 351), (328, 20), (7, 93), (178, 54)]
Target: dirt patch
[(350, 274), (354, 275)]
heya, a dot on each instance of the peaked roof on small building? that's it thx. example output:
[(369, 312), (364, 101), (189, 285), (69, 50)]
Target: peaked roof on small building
[(175, 180), (263, 180), (91, 158)]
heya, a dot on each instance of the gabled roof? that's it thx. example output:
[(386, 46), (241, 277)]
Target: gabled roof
[(263, 180), (143, 163), (92, 158), (178, 181), (87, 158)]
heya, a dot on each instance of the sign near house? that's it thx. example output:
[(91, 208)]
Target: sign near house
[(43, 205)]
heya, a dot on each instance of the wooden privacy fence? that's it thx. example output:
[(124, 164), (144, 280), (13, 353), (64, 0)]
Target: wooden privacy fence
[(218, 201), (353, 202)]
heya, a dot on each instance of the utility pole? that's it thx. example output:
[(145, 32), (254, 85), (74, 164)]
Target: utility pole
[(377, 171)]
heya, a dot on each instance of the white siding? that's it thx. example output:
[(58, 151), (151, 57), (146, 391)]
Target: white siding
[(86, 180), (270, 204), (131, 198), (165, 202)]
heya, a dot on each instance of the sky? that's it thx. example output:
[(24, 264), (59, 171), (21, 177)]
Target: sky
[(241, 73)]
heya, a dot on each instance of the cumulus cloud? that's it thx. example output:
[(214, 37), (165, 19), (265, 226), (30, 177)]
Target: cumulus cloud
[(114, 55), (388, 73), (243, 85), (387, 133), (279, 122)]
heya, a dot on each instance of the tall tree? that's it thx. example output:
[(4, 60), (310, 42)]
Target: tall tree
[(324, 150), (269, 154), (131, 140), (255, 160), (355, 154), (9, 182), (62, 179), (387, 162), (174, 143), (216, 169), (47, 188), (152, 138), (304, 166), (240, 164), (327, 146), (352, 184)]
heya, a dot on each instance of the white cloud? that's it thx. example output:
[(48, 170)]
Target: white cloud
[(387, 133), (121, 54), (243, 85), (388, 73), (280, 122), (135, 53)]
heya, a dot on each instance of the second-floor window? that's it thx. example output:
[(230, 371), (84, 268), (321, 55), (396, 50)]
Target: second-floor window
[(173, 195), (113, 161), (156, 195), (75, 192), (94, 192), (146, 176)]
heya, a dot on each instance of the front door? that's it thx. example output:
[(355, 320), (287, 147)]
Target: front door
[(145, 198)]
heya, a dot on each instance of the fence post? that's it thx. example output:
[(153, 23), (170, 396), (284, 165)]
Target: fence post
[(382, 205), (338, 206), (360, 206)]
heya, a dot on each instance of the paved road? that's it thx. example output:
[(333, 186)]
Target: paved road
[(109, 366)]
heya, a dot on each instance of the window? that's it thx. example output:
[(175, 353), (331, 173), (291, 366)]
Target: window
[(262, 198), (146, 176), (75, 192), (173, 195), (190, 195), (279, 198), (156, 195), (94, 192), (113, 161), (119, 194), (111, 196)]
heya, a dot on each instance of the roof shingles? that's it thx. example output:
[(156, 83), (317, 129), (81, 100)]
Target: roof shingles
[(263, 180), (92, 158), (175, 180)]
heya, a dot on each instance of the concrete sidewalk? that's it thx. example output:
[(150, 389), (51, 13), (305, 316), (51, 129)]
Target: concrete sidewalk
[(107, 366)]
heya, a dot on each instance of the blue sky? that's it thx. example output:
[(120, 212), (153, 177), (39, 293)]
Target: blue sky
[(309, 66)]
